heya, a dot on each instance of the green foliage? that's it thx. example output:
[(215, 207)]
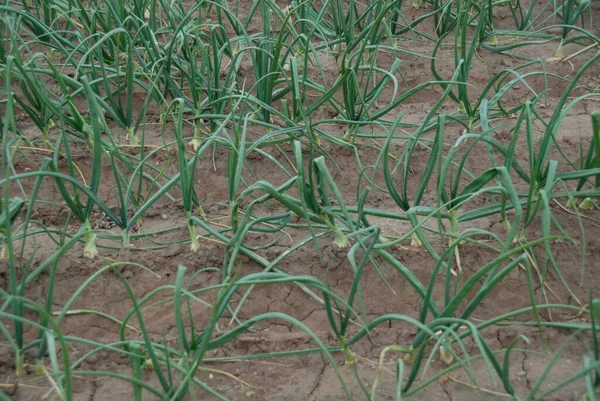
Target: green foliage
[(96, 79)]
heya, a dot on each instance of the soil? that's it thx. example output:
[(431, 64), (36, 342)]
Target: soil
[(310, 376)]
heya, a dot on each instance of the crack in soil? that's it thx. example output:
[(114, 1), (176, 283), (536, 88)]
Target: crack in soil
[(524, 369), (310, 313), (498, 338), (94, 391), (316, 386), (289, 327), (447, 393)]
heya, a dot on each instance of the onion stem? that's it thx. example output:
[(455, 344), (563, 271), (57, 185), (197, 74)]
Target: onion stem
[(89, 251), (20, 363), (195, 245)]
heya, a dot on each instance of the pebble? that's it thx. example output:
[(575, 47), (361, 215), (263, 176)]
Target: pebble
[(92, 358), (164, 216)]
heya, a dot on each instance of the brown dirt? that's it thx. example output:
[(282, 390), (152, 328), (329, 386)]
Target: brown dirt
[(310, 377)]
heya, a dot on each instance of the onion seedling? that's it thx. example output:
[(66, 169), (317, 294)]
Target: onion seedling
[(444, 19), (453, 199), (340, 330), (343, 24), (266, 53), (201, 53), (401, 195), (521, 16), (9, 213), (83, 212), (495, 274), (361, 89), (463, 57), (595, 323), (187, 167), (571, 11), (187, 170), (313, 201), (539, 160), (213, 49), (34, 97), (176, 369), (115, 83), (591, 161)]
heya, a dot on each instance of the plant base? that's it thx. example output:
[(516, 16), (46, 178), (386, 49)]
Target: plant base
[(89, 251), (195, 245), (40, 369), (20, 364)]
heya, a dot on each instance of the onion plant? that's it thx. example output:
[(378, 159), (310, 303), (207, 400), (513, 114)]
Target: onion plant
[(187, 168), (187, 171), (571, 11), (454, 198), (444, 19), (10, 209), (125, 60), (10, 212), (460, 14), (18, 279), (83, 211), (340, 329), (361, 88), (363, 80), (401, 195), (208, 90), (463, 56), (313, 202), (342, 23), (492, 274), (539, 160), (175, 368), (521, 14), (123, 81), (595, 322), (33, 98), (266, 52), (196, 54), (591, 161), (20, 304)]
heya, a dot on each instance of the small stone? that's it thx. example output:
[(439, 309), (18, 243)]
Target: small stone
[(164, 216), (92, 358)]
